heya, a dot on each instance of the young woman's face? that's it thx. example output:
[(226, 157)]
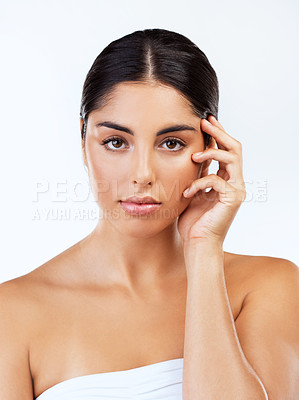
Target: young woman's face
[(142, 163)]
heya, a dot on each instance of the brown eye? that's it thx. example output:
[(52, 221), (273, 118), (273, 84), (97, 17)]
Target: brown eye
[(173, 143), (116, 143)]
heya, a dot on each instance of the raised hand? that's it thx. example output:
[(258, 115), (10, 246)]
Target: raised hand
[(210, 214)]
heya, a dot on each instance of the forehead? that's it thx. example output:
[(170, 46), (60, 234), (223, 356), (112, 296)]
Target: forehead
[(133, 101)]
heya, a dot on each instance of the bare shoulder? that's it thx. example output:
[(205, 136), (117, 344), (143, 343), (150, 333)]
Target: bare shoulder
[(26, 293), (248, 275), (15, 310), (257, 268), (17, 318), (268, 325), (14, 293), (22, 299), (268, 280), (17, 299)]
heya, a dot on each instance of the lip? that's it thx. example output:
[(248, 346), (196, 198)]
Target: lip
[(139, 208), (141, 200)]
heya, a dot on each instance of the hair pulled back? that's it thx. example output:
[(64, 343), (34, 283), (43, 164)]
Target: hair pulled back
[(152, 55)]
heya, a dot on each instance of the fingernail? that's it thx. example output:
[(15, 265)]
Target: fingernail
[(208, 122), (197, 154), (186, 191)]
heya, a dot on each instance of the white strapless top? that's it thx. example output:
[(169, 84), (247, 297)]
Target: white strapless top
[(162, 380)]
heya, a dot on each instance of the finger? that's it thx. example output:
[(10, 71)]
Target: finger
[(228, 162), (227, 192), (208, 181), (216, 154), (214, 121), (221, 137)]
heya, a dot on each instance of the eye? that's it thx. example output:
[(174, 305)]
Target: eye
[(116, 139), (113, 139), (176, 141)]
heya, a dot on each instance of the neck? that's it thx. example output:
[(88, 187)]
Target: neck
[(134, 262)]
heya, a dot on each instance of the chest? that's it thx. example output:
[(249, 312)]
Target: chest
[(82, 333)]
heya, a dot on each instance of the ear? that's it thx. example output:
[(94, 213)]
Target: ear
[(83, 144), (204, 169)]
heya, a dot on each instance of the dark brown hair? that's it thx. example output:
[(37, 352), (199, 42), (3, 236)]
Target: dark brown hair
[(152, 55)]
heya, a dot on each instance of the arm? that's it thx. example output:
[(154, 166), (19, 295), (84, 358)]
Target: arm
[(15, 377), (214, 364), (258, 357), (268, 327)]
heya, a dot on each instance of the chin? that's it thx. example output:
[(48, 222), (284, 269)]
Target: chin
[(141, 228), (145, 226)]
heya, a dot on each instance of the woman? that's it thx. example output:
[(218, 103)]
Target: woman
[(149, 306)]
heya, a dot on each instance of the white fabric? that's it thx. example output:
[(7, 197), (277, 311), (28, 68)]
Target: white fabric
[(162, 380)]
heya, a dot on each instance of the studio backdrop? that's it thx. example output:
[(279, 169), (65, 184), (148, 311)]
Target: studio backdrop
[(47, 47)]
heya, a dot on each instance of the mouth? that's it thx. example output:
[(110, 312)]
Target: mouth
[(141, 200), (140, 208)]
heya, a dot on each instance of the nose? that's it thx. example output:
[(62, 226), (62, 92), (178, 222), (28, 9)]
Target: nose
[(142, 168)]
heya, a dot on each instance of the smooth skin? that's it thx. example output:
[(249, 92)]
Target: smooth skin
[(116, 300)]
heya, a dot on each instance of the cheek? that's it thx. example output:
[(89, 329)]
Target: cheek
[(175, 179), (104, 182), (188, 170), (102, 176), (109, 180)]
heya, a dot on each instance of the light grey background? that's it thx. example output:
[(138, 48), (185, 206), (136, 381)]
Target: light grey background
[(47, 48)]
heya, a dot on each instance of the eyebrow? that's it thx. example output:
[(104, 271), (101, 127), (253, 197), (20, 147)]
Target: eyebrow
[(174, 128)]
